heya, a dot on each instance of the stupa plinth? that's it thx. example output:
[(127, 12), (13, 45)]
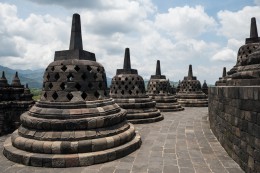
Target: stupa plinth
[(159, 89), (128, 91), (74, 123), (190, 93)]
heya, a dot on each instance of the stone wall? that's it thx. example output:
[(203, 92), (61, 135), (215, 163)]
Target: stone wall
[(234, 115)]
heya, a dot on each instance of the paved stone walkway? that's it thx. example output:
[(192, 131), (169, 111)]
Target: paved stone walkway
[(182, 142)]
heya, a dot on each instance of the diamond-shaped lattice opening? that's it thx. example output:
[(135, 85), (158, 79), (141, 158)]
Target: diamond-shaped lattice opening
[(69, 96), (90, 85), (63, 86), (52, 68), (84, 76), (123, 82), (98, 69), (122, 92), (48, 76), (96, 94), (54, 95), (130, 92), (45, 95), (70, 77), (105, 93), (64, 68), (119, 87), (84, 95), (100, 85), (95, 76), (137, 92), (126, 87), (126, 78), (50, 86), (57, 76), (89, 68), (46, 69), (77, 86), (77, 68)]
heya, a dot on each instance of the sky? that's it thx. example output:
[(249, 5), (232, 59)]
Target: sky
[(204, 33)]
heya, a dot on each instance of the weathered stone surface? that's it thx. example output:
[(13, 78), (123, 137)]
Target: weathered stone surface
[(128, 91), (14, 100), (74, 121), (160, 91), (235, 125), (190, 93)]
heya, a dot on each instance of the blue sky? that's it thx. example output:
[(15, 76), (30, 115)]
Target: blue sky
[(204, 33)]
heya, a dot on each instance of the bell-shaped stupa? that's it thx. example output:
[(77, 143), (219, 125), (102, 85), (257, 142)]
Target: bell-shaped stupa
[(128, 91), (159, 89), (205, 87), (74, 123), (247, 71), (251, 45), (190, 93), (222, 80)]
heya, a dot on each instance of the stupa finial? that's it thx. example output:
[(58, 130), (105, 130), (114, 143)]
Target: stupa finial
[(3, 75), (190, 74), (127, 62), (158, 68), (253, 32), (224, 72), (75, 37)]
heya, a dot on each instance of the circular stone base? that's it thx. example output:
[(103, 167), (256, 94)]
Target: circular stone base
[(171, 110), (69, 160), (146, 120), (193, 102)]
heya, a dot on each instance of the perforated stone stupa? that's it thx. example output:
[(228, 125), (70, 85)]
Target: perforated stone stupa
[(74, 123), (205, 87), (159, 89), (247, 72), (15, 99), (190, 93), (128, 91), (222, 80)]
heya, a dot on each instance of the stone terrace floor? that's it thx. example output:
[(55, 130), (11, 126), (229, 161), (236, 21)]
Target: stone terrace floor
[(182, 142)]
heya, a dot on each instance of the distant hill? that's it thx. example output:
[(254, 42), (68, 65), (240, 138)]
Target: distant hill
[(32, 77)]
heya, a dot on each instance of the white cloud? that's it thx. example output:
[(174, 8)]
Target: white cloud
[(225, 55), (185, 22), (236, 25)]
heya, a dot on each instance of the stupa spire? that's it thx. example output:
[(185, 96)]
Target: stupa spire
[(158, 68), (253, 28), (3, 75), (127, 62), (75, 37), (253, 32), (224, 72), (190, 74)]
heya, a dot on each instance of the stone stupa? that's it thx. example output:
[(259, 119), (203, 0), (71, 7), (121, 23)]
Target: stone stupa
[(128, 91), (190, 94), (159, 89), (222, 80), (74, 123), (204, 87), (246, 72), (251, 44)]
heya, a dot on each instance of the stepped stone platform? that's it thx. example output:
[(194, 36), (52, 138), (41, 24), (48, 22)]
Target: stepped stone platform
[(74, 123), (128, 91), (160, 90), (181, 143), (190, 93)]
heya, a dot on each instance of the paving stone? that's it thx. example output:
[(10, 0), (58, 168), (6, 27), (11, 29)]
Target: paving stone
[(147, 160)]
